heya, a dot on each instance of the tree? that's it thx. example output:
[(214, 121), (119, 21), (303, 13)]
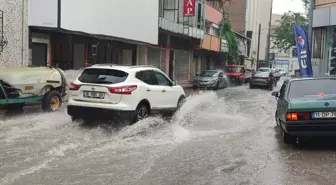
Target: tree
[(227, 34), (283, 36), (306, 5)]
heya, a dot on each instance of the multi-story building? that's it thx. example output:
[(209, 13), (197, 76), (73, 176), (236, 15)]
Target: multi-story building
[(13, 33), (258, 12), (181, 27), (324, 37), (212, 50), (105, 32)]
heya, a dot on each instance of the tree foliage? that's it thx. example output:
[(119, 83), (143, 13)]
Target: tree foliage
[(283, 36), (227, 34), (306, 5)]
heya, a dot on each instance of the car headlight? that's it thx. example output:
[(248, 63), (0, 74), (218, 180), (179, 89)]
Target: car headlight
[(213, 81)]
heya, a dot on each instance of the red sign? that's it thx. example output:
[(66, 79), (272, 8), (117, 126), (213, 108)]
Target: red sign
[(189, 8)]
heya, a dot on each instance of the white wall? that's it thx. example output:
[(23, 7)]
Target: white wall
[(264, 18), (15, 24), (131, 19), (252, 23), (258, 12), (43, 13)]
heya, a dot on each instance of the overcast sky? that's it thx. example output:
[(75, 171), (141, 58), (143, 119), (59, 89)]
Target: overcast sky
[(282, 6)]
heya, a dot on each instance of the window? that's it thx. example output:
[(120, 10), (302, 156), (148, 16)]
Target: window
[(147, 77), (212, 31), (221, 75), (283, 90), (234, 69), (294, 52), (162, 80), (102, 76), (312, 88), (317, 45), (262, 74), (208, 73)]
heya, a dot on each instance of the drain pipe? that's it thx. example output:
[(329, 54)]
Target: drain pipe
[(23, 32)]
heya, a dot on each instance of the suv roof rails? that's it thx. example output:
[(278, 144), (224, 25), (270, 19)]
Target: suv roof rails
[(136, 66)]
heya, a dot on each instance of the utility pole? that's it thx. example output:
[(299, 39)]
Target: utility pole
[(269, 33), (258, 50)]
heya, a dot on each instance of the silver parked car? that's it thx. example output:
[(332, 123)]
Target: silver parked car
[(212, 79)]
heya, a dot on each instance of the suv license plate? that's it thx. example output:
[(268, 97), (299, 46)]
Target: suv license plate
[(90, 94)]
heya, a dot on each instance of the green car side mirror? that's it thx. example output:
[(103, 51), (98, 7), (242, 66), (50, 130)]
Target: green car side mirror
[(275, 93)]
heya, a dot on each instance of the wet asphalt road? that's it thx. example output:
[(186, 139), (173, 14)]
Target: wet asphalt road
[(224, 137)]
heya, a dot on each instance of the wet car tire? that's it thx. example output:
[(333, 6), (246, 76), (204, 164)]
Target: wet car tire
[(180, 102), (142, 107), (217, 86), (277, 121), (47, 102)]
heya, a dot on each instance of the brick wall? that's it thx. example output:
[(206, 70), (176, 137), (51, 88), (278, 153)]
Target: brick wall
[(16, 51), (237, 12)]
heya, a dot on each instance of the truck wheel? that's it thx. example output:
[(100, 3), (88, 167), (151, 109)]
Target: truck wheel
[(51, 101)]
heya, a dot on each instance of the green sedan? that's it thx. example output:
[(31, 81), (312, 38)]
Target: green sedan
[(306, 107)]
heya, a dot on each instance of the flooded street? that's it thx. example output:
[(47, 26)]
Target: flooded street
[(224, 137)]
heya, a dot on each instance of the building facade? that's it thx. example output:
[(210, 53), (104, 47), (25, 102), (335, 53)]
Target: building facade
[(94, 33), (324, 37), (13, 33), (258, 12)]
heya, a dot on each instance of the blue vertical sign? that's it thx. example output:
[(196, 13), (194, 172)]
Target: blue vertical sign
[(303, 52)]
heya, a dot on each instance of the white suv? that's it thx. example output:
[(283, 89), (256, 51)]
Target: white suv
[(109, 91)]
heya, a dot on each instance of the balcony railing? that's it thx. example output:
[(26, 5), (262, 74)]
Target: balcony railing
[(210, 42)]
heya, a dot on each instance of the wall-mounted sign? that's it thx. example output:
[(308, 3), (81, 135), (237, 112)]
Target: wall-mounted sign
[(224, 45), (189, 8)]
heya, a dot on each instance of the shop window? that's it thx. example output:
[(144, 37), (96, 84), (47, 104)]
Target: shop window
[(317, 45), (181, 65)]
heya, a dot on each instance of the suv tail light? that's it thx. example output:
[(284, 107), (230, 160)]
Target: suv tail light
[(268, 79), (295, 116), (123, 89), (74, 87)]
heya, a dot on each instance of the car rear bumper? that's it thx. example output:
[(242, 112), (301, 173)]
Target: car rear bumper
[(259, 83), (205, 85), (316, 128), (98, 113), (235, 79)]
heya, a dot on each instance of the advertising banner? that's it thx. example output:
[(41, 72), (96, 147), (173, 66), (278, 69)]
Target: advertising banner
[(303, 51)]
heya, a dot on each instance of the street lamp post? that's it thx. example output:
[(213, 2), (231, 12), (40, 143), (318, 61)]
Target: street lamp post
[(269, 33), (258, 50)]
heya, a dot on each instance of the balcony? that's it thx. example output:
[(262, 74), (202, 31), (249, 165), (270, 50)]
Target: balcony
[(213, 15), (210, 42), (171, 18)]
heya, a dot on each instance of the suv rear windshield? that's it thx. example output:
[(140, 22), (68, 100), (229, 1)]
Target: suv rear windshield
[(264, 69), (102, 76), (314, 87), (262, 74)]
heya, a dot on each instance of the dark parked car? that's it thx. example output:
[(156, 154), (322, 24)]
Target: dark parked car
[(263, 80), (213, 79), (306, 107)]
